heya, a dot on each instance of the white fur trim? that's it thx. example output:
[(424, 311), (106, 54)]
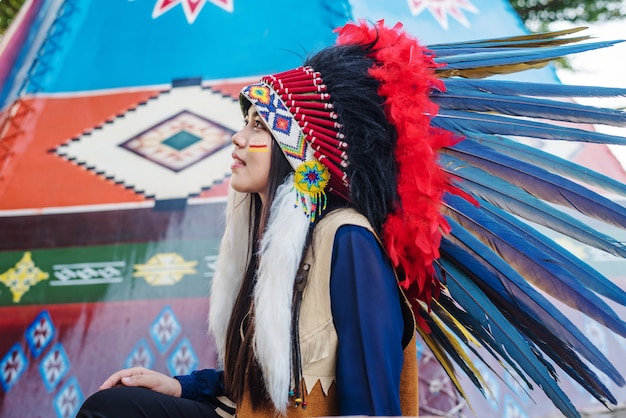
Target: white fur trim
[(280, 255), (231, 265)]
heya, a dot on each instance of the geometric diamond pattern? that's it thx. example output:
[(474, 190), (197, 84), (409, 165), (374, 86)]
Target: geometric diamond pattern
[(172, 147), (180, 141), (69, 399), (165, 329), (40, 333), (282, 123), (12, 365), (140, 356), (183, 359), (284, 129), (54, 366)]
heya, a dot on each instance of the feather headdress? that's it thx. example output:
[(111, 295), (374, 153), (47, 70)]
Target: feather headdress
[(423, 144)]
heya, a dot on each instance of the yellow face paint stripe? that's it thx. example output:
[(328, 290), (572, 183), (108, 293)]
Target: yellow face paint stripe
[(258, 148)]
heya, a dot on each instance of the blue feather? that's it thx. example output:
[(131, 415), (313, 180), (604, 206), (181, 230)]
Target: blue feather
[(560, 353), (587, 275), (502, 44), (540, 183), (521, 88), (479, 328), (580, 372), (550, 162), (523, 307), (518, 202), (475, 320), (442, 53), (533, 40), (535, 266), (467, 123), (463, 99), (491, 252), (495, 57), (438, 335), (476, 303)]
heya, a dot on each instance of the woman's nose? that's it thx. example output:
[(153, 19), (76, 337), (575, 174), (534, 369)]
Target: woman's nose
[(238, 140)]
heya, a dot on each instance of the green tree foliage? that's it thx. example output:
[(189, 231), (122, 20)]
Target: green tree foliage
[(8, 11), (538, 14)]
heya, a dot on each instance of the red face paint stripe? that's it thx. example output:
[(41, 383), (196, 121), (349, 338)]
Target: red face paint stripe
[(257, 147)]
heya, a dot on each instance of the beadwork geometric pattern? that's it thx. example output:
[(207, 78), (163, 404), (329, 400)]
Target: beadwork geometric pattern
[(183, 359), (12, 366), (54, 366), (40, 333), (69, 399), (165, 329), (283, 126)]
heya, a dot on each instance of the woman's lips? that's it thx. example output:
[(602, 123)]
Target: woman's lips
[(237, 162)]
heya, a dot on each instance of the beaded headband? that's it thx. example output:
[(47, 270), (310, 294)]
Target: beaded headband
[(299, 113)]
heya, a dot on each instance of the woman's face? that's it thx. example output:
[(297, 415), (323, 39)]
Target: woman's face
[(252, 156)]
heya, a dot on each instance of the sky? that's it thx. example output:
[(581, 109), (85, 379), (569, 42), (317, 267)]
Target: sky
[(604, 67)]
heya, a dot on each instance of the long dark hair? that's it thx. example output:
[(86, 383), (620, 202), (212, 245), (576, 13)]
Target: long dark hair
[(240, 367), (371, 138), (372, 174)]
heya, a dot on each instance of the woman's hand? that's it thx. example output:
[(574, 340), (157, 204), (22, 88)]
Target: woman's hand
[(139, 376)]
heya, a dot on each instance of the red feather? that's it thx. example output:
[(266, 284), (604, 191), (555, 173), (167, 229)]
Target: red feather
[(412, 234)]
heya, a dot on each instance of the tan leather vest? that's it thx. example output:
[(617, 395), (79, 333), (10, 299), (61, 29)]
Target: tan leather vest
[(318, 337)]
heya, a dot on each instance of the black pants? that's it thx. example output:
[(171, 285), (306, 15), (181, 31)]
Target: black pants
[(127, 401)]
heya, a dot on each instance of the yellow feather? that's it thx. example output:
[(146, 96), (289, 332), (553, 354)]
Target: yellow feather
[(466, 333), (548, 36), (551, 38), (548, 39), (483, 72), (454, 342), (443, 359)]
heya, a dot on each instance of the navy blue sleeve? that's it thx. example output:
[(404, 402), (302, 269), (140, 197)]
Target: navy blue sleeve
[(367, 316), (202, 385)]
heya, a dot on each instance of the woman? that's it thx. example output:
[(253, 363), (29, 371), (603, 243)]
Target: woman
[(306, 309), (338, 196)]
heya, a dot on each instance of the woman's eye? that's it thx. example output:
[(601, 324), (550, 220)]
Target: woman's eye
[(258, 124)]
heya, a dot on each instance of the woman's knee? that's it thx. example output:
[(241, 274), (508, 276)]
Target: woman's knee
[(116, 401)]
